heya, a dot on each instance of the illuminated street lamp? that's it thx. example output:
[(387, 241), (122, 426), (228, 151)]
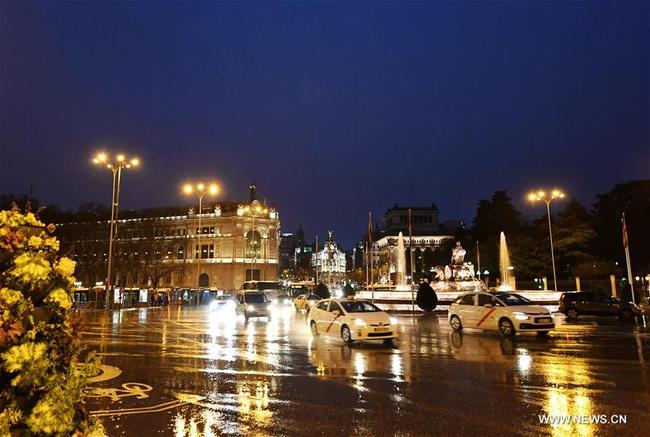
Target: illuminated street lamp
[(115, 165), (547, 198), (200, 190)]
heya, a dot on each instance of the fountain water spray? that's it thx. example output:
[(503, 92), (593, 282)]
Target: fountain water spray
[(504, 264), (400, 283)]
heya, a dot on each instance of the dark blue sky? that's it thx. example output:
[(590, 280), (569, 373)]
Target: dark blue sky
[(335, 109)]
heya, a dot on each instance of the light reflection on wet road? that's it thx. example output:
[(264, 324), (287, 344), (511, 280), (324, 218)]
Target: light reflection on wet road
[(198, 371)]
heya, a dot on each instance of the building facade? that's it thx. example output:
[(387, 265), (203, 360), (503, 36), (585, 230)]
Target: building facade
[(288, 246), (225, 245), (427, 248), (330, 260)]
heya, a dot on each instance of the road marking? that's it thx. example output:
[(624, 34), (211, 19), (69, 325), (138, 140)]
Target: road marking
[(115, 394), (141, 410), (108, 372)]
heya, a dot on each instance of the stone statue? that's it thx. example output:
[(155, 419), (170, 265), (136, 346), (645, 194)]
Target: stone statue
[(448, 273), (457, 260), (466, 272), (439, 273), (458, 275), (458, 255)]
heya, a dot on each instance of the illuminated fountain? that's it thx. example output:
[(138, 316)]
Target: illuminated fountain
[(504, 264), (458, 275), (400, 280)]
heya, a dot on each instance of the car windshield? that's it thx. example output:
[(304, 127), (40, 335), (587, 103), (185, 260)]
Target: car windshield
[(512, 299), (269, 286), (255, 298), (314, 297), (359, 307)]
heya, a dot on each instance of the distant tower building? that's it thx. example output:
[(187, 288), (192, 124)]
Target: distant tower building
[(330, 260)]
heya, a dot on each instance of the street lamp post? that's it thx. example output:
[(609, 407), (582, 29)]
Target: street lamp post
[(200, 190), (256, 248), (115, 166), (543, 196)]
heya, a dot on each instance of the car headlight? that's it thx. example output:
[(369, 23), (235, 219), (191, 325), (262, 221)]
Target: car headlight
[(520, 316), (393, 321), (274, 302), (359, 322), (251, 307)]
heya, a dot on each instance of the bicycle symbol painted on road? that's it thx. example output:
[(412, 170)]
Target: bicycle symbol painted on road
[(128, 389)]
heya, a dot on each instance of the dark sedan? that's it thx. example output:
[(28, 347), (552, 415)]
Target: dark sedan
[(590, 303)]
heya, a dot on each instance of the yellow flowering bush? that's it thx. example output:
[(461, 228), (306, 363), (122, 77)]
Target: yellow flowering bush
[(9, 298), (30, 268), (42, 242), (65, 266), (53, 414), (35, 242), (18, 357), (59, 297), (42, 370)]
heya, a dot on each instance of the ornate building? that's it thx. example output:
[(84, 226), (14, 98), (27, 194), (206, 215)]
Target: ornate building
[(236, 241), (429, 238), (330, 260)]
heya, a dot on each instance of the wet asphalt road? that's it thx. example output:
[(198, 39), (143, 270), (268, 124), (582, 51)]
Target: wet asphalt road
[(190, 371)]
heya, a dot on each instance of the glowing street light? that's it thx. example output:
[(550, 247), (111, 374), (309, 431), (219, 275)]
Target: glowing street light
[(548, 198), (200, 190), (116, 165)]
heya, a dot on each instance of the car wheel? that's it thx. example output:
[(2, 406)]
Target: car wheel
[(542, 333), (346, 335), (455, 323), (314, 329), (571, 314), (506, 327)]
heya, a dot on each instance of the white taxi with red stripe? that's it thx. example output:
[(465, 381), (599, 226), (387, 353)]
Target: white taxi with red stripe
[(352, 320), (503, 311)]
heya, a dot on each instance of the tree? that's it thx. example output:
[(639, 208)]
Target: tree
[(573, 235), (148, 257), (633, 199), (86, 242), (493, 217)]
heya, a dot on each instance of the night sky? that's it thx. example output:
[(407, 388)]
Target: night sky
[(334, 109)]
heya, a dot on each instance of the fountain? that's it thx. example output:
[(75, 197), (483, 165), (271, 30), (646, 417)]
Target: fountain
[(458, 275), (504, 264), (400, 280)]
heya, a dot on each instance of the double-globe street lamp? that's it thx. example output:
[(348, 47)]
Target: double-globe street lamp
[(200, 189), (548, 198), (115, 165)]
